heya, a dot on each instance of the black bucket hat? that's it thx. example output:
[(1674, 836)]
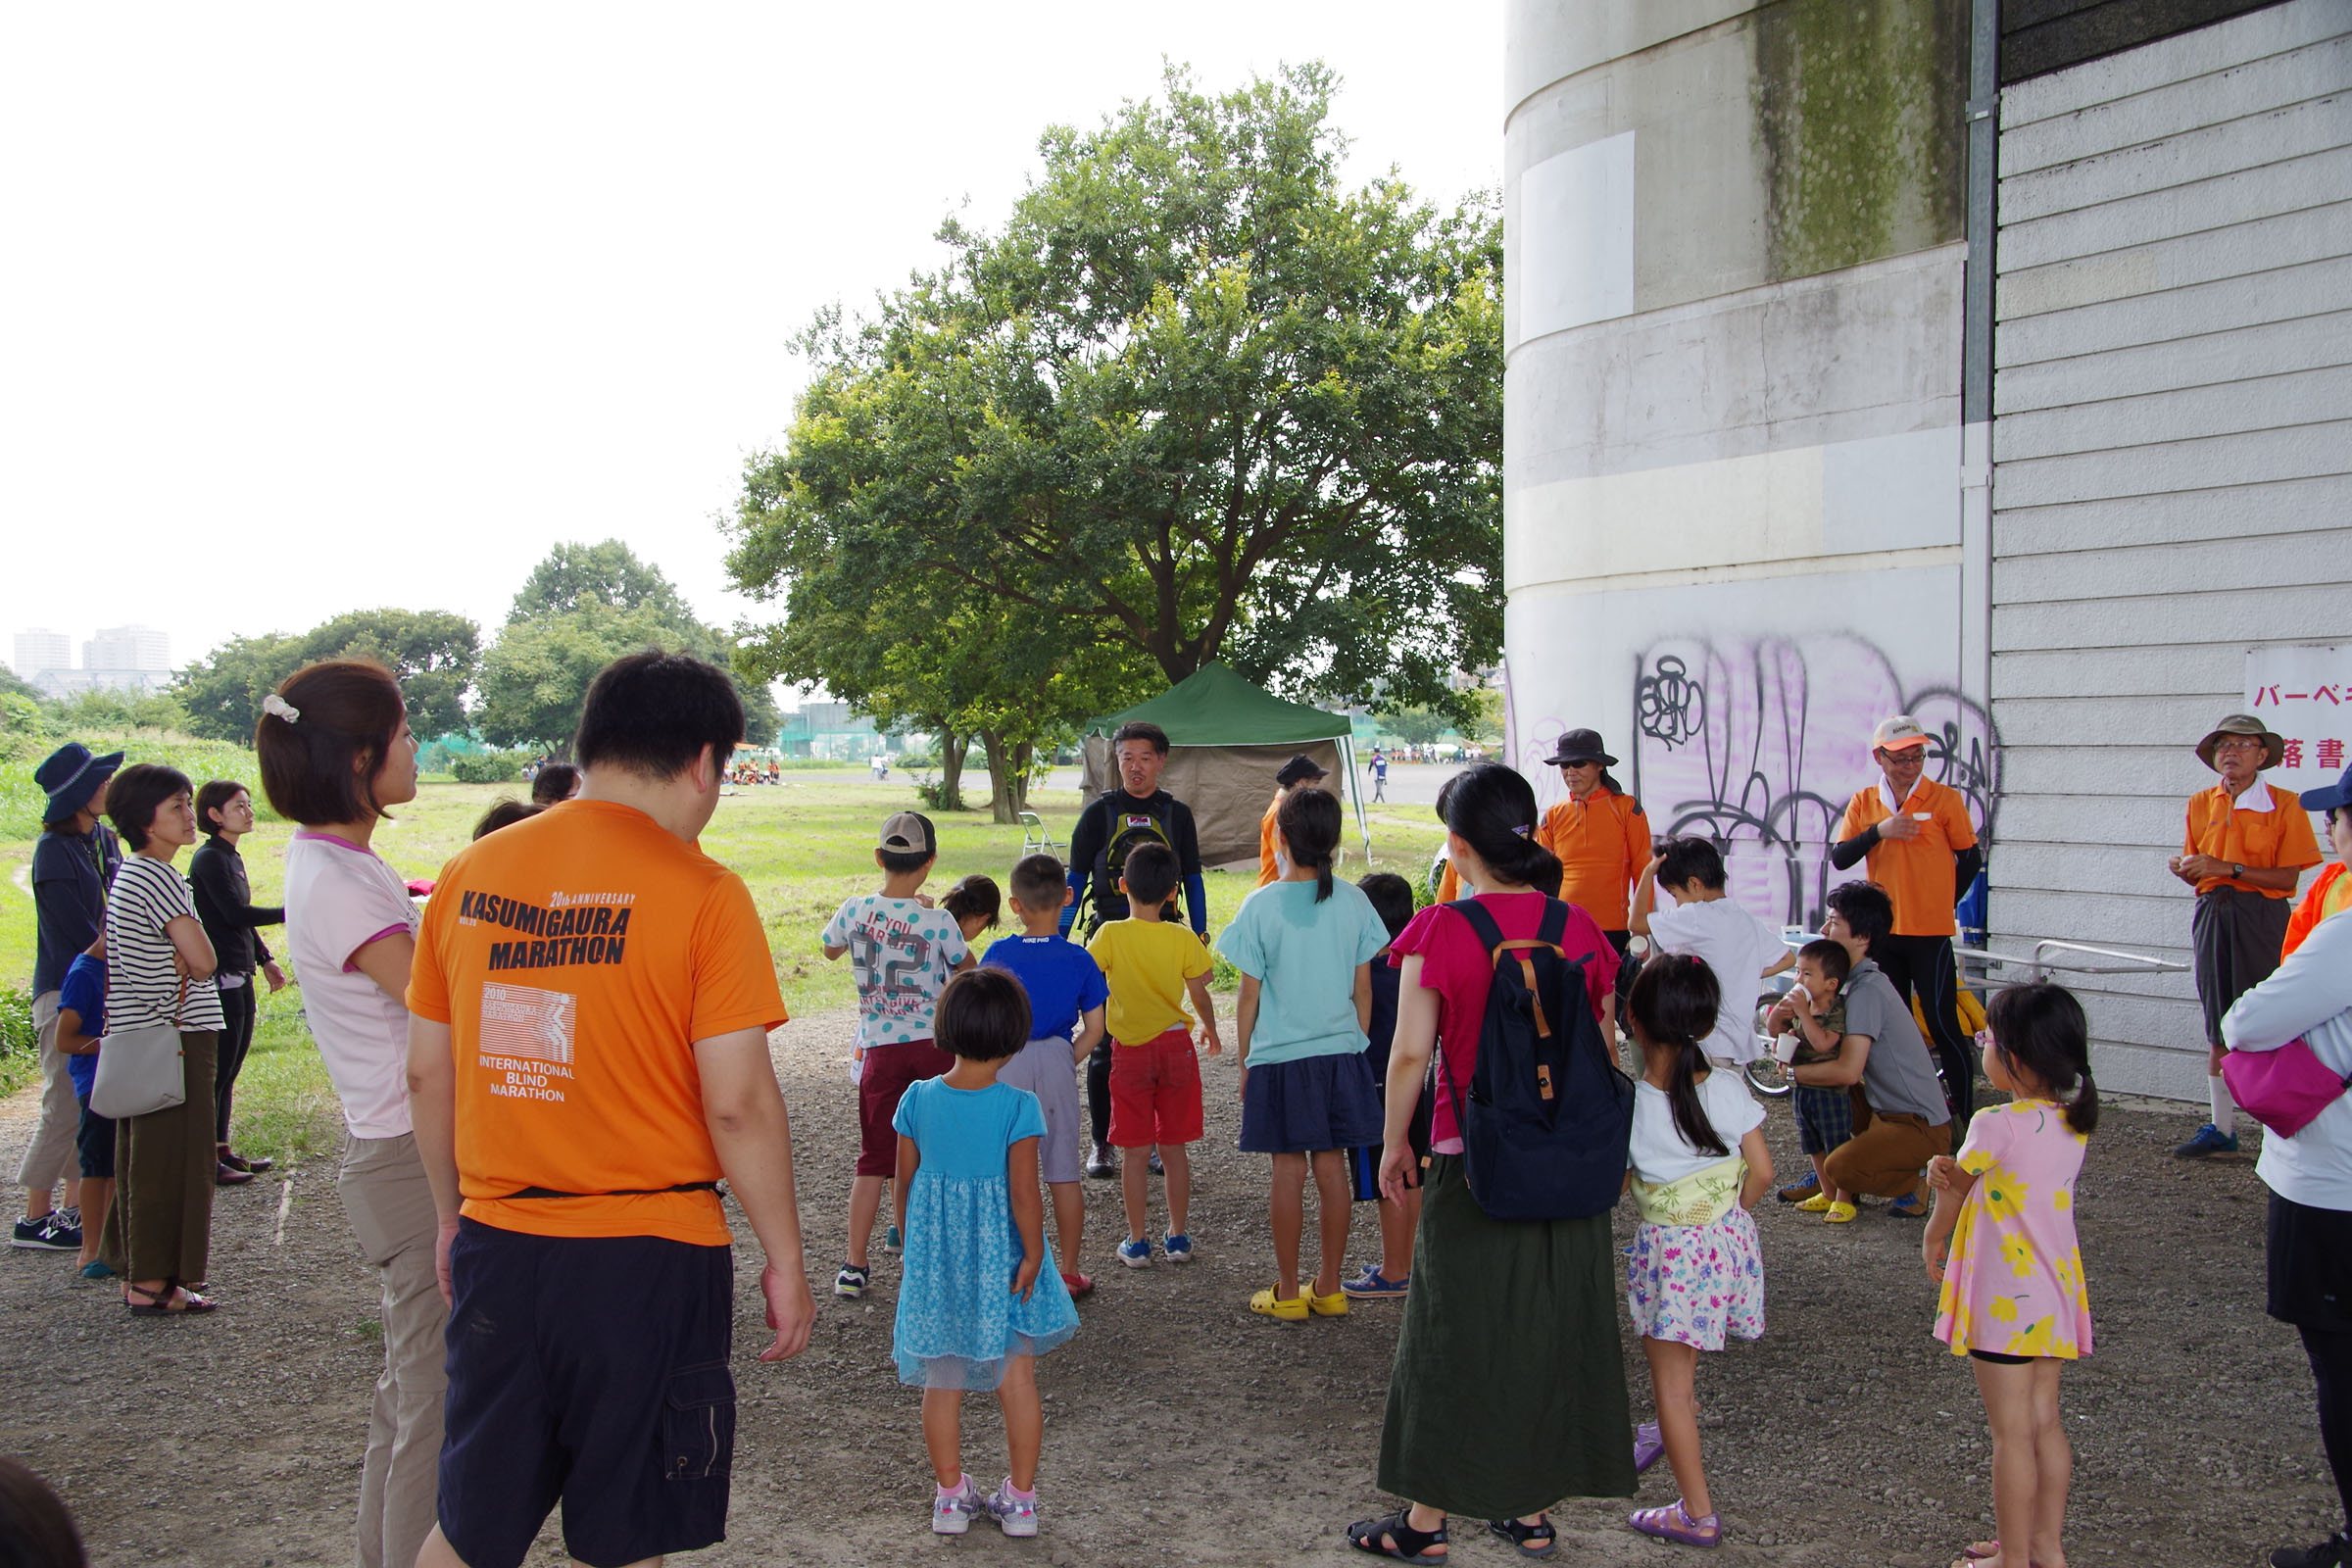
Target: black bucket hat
[(1580, 746)]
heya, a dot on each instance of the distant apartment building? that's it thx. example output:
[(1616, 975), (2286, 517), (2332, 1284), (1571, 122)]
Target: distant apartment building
[(41, 650), (119, 658)]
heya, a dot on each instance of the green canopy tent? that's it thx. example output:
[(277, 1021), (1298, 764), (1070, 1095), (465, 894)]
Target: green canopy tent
[(1227, 738)]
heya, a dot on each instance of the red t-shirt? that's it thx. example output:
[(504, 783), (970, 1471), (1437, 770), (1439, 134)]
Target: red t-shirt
[(1456, 965)]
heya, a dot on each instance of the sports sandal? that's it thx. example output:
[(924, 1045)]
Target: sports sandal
[(1265, 1304), (1841, 1215), (1977, 1551), (1649, 1446), (1673, 1523), (1537, 1540), (157, 1304), (1408, 1545)]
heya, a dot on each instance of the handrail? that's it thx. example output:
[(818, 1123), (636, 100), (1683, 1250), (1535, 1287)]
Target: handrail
[(2041, 965)]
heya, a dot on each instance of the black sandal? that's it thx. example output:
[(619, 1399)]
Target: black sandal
[(1410, 1544), (1519, 1536), (159, 1302)]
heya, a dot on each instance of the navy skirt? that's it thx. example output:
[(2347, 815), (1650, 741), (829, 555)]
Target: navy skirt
[(1310, 1103)]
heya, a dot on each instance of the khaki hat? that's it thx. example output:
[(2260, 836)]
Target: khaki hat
[(1898, 733), (908, 833), (2272, 748)]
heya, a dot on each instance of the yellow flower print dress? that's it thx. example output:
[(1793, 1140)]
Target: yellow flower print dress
[(2013, 1283)]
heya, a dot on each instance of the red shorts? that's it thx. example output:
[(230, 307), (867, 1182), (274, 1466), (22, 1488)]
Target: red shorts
[(1154, 1090), (887, 1072)]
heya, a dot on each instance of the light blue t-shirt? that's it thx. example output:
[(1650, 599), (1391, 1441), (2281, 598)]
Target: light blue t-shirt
[(965, 1133), (1304, 954)]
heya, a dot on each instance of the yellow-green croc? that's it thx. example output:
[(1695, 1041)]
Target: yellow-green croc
[(1842, 1213), (1294, 1310), (1333, 1305)]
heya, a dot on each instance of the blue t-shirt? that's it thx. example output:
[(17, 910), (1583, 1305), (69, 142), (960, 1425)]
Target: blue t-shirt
[(85, 991), (1061, 978), (966, 1133), (1304, 956)]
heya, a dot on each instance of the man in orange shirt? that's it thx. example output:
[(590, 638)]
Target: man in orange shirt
[(1603, 841), (1923, 851), (588, 1058), (1299, 769), (2244, 849)]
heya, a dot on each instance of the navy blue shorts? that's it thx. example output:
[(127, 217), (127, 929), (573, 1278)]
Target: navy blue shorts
[(1825, 1119), (590, 1371), (1310, 1103), (94, 1141)]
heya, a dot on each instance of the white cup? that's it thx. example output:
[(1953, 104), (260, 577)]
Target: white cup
[(1786, 1047)]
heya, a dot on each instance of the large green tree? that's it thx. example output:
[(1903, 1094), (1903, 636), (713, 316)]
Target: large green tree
[(433, 653), (582, 608), (1194, 400)]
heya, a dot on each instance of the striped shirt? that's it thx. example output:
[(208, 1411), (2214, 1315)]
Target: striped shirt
[(142, 989)]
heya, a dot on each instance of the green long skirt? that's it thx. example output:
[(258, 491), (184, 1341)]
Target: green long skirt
[(1509, 1391)]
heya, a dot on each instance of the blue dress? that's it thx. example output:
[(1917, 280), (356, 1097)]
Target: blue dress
[(957, 1316)]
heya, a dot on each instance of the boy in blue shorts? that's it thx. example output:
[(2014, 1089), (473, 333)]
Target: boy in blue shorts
[(81, 1024), (1152, 965), (1067, 997), (1814, 1012), (903, 952), (1392, 899)]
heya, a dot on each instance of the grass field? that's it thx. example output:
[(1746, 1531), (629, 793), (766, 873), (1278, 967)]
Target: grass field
[(802, 847)]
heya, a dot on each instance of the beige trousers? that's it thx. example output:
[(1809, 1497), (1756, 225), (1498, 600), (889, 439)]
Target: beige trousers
[(50, 1155), (390, 1203)]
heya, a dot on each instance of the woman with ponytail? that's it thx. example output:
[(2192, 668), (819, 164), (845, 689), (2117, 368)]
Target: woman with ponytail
[(1695, 1273), (1304, 946), (1508, 1388), (2012, 1297)]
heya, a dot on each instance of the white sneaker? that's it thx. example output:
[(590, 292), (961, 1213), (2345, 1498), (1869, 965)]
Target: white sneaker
[(953, 1515), (1013, 1515)]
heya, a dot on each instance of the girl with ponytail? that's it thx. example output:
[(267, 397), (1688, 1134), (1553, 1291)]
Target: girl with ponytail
[(2001, 1245), (1468, 1349), (1696, 1272), (1304, 945)]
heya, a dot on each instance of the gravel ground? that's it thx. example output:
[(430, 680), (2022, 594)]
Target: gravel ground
[(1180, 1429)]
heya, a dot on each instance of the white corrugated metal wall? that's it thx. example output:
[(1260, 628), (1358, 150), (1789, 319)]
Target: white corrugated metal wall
[(2172, 480)]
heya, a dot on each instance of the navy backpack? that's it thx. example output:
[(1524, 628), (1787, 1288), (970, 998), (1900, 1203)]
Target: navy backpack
[(1548, 1116)]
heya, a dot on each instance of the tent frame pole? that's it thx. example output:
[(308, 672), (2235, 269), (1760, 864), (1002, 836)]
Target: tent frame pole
[(1355, 794)]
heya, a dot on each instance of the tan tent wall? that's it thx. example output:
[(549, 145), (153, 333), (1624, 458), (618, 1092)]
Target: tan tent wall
[(1228, 787)]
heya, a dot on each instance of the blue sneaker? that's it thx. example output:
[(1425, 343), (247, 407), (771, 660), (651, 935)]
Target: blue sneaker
[(1373, 1285), (1136, 1254), (1177, 1246), (892, 1242), (2208, 1141), (1908, 1206)]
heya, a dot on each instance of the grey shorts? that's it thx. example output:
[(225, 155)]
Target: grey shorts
[(1046, 1070)]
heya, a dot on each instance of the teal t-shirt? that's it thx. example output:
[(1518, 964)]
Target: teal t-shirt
[(1304, 954)]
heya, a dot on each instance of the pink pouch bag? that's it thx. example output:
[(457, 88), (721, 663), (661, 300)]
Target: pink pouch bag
[(2284, 1090)]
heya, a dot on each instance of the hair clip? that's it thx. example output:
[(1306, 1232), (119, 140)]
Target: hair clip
[(1522, 831), (278, 707)]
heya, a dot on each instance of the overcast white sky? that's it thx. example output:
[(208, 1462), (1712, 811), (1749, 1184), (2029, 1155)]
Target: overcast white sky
[(311, 309)]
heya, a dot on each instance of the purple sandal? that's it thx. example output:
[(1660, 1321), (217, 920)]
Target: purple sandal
[(1649, 1446), (1673, 1523)]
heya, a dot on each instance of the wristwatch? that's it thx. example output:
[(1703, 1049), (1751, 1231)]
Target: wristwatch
[(2236, 871)]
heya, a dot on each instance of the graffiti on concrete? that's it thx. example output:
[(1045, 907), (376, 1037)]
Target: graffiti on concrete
[(1760, 745)]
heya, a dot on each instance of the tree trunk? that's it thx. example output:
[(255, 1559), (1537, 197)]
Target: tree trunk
[(1023, 756), (951, 769), (1003, 778)]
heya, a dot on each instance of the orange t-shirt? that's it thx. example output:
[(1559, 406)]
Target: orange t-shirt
[(2261, 841), (576, 957), (1603, 843), (1918, 873), (1450, 884), (1267, 871), (2331, 895)]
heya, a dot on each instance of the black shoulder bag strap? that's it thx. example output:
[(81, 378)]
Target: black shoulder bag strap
[(1489, 936)]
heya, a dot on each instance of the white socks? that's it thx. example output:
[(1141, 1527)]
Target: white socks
[(2225, 1109)]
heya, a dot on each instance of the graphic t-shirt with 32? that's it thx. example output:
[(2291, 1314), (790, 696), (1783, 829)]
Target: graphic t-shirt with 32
[(902, 955)]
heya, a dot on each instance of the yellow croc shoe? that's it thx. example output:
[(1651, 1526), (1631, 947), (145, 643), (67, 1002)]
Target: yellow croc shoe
[(1333, 1305), (1841, 1215), (1294, 1310), (1818, 1204)]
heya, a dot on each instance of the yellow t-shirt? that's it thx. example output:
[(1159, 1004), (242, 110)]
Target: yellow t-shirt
[(1147, 963)]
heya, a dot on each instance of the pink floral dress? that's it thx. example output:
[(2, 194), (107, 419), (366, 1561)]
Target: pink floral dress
[(2013, 1283)]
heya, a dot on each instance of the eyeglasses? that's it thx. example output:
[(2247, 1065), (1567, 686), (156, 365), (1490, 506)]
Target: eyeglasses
[(2226, 746)]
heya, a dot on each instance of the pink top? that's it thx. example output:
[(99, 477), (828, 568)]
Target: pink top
[(339, 899), (1456, 965), (2013, 1282)]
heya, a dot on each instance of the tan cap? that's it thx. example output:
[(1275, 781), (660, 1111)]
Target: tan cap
[(1898, 733), (2274, 750), (908, 833)]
